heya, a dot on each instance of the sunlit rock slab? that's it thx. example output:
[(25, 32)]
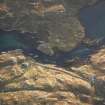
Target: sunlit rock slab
[(24, 80)]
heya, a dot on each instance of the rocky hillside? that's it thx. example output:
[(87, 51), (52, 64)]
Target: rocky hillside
[(56, 22)]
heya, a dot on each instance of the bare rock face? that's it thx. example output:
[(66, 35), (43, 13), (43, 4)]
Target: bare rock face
[(26, 82), (56, 22)]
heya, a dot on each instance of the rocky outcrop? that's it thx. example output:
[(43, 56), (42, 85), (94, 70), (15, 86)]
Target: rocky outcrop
[(56, 22), (23, 81)]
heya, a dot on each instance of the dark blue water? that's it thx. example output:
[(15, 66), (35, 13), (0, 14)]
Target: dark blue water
[(9, 41), (93, 18)]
